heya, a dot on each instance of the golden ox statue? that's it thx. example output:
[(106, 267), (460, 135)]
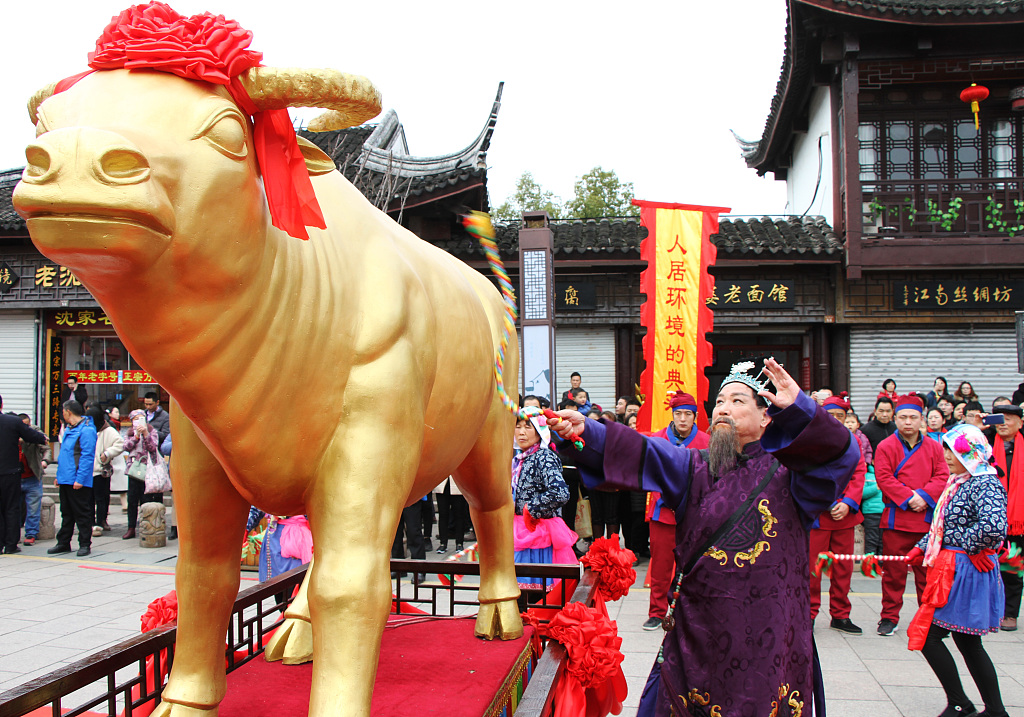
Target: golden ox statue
[(342, 377)]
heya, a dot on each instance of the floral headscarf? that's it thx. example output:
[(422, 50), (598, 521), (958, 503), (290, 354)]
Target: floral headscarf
[(972, 448)]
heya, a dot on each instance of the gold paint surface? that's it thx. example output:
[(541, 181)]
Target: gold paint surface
[(341, 377)]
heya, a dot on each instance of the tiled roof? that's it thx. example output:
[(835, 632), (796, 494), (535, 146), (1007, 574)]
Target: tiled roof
[(376, 160), (780, 235), (926, 8), (9, 219), (767, 236)]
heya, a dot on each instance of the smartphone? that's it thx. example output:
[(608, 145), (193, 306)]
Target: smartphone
[(994, 419)]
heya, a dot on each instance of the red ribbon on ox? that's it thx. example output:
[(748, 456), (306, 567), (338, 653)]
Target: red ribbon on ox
[(214, 49)]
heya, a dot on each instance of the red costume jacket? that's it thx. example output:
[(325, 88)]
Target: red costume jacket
[(902, 472), (656, 508), (852, 497)]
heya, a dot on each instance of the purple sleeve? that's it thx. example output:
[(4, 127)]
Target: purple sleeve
[(616, 457), (817, 449)]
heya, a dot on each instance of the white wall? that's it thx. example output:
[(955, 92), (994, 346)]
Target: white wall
[(803, 176)]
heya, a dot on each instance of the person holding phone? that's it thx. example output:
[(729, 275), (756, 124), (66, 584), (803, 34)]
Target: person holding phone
[(141, 444)]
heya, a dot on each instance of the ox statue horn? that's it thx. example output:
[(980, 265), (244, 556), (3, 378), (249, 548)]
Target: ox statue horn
[(349, 99)]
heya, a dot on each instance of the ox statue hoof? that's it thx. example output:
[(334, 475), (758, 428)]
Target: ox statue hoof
[(499, 619), (171, 709), (292, 642)]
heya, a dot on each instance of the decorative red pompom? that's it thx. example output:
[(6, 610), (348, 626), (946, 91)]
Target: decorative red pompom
[(162, 611), (154, 36), (613, 565)]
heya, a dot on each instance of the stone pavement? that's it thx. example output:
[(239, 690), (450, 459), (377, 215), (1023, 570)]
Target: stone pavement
[(57, 610)]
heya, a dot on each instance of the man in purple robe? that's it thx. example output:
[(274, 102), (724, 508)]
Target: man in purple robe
[(739, 639)]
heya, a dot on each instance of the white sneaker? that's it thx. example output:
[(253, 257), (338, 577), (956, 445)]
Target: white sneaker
[(97, 531)]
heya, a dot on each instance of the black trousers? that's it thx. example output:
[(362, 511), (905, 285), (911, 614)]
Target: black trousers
[(454, 508), (978, 663), (873, 533), (1013, 583), (76, 509), (571, 476), (10, 509), (412, 523), (101, 496), (136, 497)]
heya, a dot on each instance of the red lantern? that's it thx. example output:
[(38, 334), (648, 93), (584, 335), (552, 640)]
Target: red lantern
[(974, 94)]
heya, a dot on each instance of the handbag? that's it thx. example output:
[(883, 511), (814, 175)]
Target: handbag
[(138, 469), (157, 478), (106, 470), (584, 528)]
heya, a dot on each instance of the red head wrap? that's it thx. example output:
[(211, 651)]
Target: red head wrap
[(682, 401), (910, 401), (839, 401)]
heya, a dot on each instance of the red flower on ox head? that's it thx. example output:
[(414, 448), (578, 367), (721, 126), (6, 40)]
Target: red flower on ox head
[(154, 36)]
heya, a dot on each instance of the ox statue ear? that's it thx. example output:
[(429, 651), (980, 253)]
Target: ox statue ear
[(317, 162)]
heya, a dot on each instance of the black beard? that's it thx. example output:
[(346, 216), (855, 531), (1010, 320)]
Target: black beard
[(722, 447)]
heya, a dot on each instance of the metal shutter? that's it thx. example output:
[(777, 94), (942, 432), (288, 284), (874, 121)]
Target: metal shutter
[(591, 352), (984, 355), (18, 362)]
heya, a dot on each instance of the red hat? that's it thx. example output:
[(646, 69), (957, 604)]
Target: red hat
[(680, 401), (910, 401), (839, 401)]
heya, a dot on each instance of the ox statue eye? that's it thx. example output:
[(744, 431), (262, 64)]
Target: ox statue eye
[(226, 131)]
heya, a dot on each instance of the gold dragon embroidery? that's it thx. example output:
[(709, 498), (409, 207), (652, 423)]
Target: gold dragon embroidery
[(717, 554), (704, 700), (792, 699), (768, 519), (742, 559)]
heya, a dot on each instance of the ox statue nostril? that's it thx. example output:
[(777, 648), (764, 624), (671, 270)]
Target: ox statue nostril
[(122, 165), (38, 162)]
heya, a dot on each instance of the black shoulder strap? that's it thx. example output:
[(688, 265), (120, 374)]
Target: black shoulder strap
[(727, 525)]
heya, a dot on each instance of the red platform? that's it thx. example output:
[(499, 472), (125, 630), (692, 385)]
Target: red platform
[(428, 666)]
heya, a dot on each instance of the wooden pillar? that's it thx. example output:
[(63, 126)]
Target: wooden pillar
[(853, 209), (537, 305)]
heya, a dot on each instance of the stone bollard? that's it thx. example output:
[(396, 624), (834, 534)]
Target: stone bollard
[(152, 525), (47, 514)]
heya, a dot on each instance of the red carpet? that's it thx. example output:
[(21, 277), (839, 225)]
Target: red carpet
[(432, 667)]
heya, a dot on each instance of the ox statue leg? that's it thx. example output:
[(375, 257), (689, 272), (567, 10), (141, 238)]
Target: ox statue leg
[(485, 479), (292, 642), (211, 525), (354, 507)]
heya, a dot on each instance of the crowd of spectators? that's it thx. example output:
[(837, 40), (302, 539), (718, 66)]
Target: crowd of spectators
[(94, 453)]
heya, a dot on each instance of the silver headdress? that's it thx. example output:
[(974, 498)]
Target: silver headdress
[(743, 372)]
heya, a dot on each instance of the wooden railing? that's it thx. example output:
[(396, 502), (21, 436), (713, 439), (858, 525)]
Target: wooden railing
[(111, 675), (989, 207)]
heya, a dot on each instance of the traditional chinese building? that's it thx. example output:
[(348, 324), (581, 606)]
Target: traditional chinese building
[(869, 127), (52, 328)]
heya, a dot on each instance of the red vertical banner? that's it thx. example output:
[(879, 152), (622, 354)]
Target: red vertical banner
[(678, 252)]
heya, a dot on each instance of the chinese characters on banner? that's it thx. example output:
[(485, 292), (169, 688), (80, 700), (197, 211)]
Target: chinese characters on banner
[(55, 359), (110, 376), (933, 295), (678, 252), (89, 319)]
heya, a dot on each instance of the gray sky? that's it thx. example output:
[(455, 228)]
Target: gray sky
[(649, 89)]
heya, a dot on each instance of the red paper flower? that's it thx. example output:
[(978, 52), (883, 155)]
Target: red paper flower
[(154, 36), (590, 639), (613, 565), (162, 611)]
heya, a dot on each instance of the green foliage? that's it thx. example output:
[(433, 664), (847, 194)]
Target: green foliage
[(528, 197), (946, 218), (599, 193), (994, 216)]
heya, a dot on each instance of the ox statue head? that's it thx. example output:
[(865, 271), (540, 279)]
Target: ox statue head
[(174, 148), (130, 168)]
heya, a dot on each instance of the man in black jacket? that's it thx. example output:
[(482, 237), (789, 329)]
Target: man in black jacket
[(157, 417), (881, 426), (11, 429), (74, 392)]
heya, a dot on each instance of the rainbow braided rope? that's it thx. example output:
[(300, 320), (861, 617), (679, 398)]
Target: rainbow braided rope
[(479, 225)]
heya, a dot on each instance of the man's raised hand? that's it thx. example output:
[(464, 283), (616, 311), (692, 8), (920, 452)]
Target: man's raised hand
[(569, 424), (786, 389)]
